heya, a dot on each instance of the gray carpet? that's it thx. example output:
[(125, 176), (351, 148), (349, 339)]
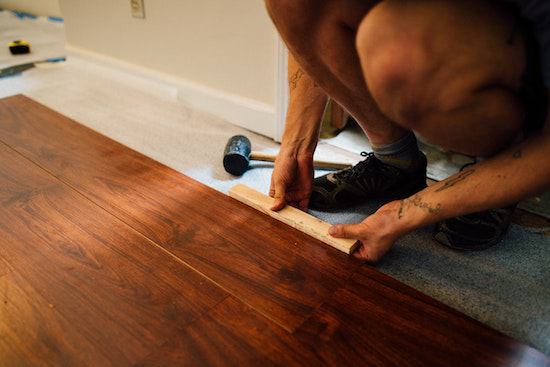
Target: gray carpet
[(507, 287)]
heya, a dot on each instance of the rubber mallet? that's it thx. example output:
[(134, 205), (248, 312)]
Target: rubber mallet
[(238, 154)]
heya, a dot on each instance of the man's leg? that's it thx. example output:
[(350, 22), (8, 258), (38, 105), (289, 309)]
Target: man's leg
[(450, 70), (321, 36)]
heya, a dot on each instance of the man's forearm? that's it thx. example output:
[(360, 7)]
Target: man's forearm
[(514, 174), (306, 106)]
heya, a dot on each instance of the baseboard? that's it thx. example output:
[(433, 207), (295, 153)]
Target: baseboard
[(244, 112), (247, 113)]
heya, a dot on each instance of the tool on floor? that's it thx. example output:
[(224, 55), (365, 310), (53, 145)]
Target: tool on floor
[(237, 156), (18, 69), (295, 218), (19, 47)]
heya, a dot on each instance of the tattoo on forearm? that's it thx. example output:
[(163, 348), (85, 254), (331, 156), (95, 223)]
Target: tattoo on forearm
[(517, 154), (400, 211), (455, 180), (419, 203), (295, 78)]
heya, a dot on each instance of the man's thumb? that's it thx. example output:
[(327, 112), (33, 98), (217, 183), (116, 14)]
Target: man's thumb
[(351, 231), (279, 196)]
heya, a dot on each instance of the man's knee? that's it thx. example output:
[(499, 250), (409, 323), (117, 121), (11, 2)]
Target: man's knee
[(292, 17), (396, 65)]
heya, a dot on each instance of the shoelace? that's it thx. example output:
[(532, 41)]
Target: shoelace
[(369, 164)]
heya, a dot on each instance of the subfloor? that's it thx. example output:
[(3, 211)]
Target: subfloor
[(109, 258)]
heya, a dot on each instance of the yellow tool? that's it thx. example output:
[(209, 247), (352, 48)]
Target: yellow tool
[(19, 47)]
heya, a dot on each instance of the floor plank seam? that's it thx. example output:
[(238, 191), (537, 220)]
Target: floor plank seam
[(161, 248)]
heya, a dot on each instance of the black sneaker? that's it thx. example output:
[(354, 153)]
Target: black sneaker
[(367, 180), (474, 232)]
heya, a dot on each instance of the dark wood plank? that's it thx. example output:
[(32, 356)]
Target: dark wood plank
[(369, 323), (115, 295), (365, 323), (34, 333), (275, 269), (232, 334)]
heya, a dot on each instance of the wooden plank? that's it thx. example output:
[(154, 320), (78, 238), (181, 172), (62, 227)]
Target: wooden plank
[(34, 333), (367, 323), (232, 334), (295, 218), (277, 270), (89, 289)]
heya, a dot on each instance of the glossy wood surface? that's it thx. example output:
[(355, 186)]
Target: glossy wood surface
[(110, 258), (205, 229)]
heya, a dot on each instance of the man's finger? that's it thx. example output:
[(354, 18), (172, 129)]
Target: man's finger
[(362, 252), (351, 231), (367, 253), (280, 200)]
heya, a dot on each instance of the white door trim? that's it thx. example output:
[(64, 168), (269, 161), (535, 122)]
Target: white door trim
[(281, 95)]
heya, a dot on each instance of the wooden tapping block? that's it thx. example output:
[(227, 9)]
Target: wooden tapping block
[(293, 217)]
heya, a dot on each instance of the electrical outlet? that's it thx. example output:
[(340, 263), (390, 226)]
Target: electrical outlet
[(138, 10)]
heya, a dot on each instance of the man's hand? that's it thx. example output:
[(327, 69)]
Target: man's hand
[(377, 233), (291, 181)]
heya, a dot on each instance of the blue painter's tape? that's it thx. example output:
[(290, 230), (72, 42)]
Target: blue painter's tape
[(55, 19), (23, 15), (56, 59)]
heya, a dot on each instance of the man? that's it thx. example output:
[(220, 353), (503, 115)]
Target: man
[(469, 76)]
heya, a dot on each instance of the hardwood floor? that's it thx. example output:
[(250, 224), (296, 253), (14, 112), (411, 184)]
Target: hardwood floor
[(110, 258)]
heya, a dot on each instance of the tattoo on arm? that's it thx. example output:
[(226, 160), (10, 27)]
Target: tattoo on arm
[(295, 78), (453, 181), (417, 201), (400, 211)]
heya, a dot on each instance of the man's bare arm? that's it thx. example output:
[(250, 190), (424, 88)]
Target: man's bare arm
[(508, 177), (306, 106), (292, 178)]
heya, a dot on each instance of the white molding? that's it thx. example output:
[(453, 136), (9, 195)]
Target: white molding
[(244, 112), (282, 93), (247, 113)]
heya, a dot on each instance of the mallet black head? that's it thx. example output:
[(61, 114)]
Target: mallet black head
[(236, 155)]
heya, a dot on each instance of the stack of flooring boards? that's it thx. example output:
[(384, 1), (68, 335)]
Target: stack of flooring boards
[(108, 257)]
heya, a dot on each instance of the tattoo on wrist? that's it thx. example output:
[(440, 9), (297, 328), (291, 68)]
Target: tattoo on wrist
[(455, 180), (295, 78), (417, 201), (517, 154)]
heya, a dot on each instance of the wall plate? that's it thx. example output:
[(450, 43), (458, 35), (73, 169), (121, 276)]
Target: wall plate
[(138, 9)]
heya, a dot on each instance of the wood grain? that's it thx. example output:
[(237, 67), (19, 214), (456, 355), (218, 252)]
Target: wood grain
[(232, 334), (100, 293), (84, 279), (34, 333), (367, 323), (295, 218), (278, 271)]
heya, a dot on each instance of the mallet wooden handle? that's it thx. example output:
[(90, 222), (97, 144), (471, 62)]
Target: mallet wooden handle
[(258, 156)]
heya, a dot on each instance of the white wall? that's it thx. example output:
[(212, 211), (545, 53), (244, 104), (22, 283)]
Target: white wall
[(38, 7), (226, 45)]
